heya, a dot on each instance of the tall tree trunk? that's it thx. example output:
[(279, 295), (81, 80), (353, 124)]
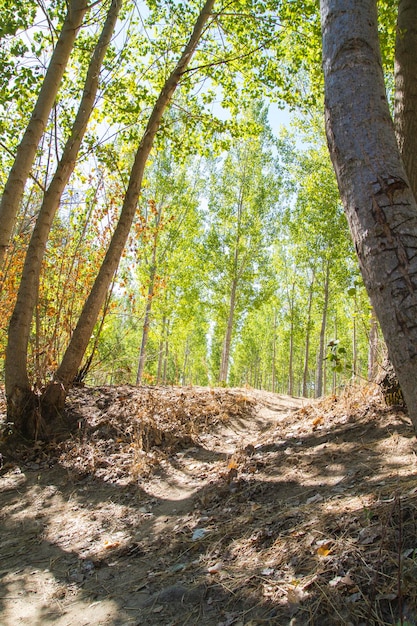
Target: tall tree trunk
[(224, 366), (308, 333), (55, 393), (84, 370), (373, 348), (238, 268), (405, 111), (320, 358), (290, 388), (166, 353), (16, 375), (376, 193), (334, 385), (149, 299), (146, 322), (26, 151), (185, 364), (405, 106), (161, 351), (274, 352), (354, 350)]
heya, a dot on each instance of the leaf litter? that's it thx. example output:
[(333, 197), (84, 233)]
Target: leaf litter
[(171, 506)]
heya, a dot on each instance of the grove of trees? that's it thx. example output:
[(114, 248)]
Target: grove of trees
[(156, 224)]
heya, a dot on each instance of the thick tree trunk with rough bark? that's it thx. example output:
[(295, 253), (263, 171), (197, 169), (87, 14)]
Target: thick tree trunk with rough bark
[(405, 113), (55, 394), (377, 195), (26, 151), (18, 386)]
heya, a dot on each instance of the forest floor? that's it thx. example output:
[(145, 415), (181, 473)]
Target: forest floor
[(195, 506)]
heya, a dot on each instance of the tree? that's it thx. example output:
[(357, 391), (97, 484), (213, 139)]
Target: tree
[(243, 206), (23, 404), (25, 154), (376, 192), (170, 222), (16, 374), (405, 111), (318, 231)]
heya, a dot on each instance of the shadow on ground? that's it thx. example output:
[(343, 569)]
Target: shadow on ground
[(307, 525)]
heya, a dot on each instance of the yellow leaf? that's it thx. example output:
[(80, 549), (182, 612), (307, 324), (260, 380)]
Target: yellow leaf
[(317, 421), (111, 544), (323, 551)]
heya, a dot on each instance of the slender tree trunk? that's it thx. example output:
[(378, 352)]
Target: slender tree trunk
[(67, 284), (373, 348), (84, 370), (334, 385), (320, 358), (16, 374), (185, 364), (291, 298), (376, 193), (274, 352), (55, 394), (354, 349), (146, 323), (149, 300), (161, 351), (291, 361), (166, 353), (224, 367), (308, 333), (324, 385), (237, 273), (26, 151)]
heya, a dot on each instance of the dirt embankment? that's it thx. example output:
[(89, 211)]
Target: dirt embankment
[(219, 507)]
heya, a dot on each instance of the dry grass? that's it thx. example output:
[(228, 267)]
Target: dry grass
[(312, 521)]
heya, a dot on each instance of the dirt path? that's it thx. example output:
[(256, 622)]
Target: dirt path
[(209, 507), (77, 551), (183, 477)]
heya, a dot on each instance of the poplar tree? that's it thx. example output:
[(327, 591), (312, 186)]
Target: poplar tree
[(377, 194)]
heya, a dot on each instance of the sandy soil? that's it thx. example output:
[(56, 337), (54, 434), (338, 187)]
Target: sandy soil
[(214, 507)]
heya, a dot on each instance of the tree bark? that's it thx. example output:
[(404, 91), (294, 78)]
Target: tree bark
[(320, 358), (238, 268), (373, 348), (16, 375), (376, 193), (187, 351), (274, 352), (161, 351), (166, 352), (308, 333), (224, 366), (26, 151), (291, 298), (149, 300), (405, 68), (146, 322), (55, 394)]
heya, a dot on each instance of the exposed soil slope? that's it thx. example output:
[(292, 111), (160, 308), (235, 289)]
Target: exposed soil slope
[(174, 506)]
